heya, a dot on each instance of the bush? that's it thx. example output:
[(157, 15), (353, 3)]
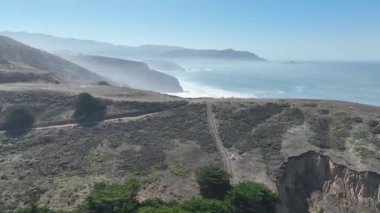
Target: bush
[(179, 170), (17, 117), (252, 197), (162, 209), (34, 209), (103, 83), (373, 123), (206, 205), (88, 108), (213, 181), (114, 198)]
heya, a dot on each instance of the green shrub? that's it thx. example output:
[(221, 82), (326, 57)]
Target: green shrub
[(158, 205), (162, 209), (252, 197), (206, 205), (116, 198), (179, 170), (17, 117), (373, 123), (33, 208), (88, 108), (213, 181)]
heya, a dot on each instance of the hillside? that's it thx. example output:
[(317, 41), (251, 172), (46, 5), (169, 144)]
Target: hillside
[(132, 73), (318, 155), (88, 47), (21, 63)]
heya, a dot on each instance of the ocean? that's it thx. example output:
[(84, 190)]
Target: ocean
[(346, 81)]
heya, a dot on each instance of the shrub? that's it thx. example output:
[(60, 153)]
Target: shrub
[(33, 208), (158, 205), (88, 108), (206, 205), (252, 197), (213, 181), (116, 198), (162, 209), (179, 170), (17, 117), (103, 83), (373, 123)]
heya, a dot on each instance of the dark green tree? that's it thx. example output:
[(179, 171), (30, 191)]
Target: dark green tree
[(252, 197), (88, 108), (213, 181), (16, 118)]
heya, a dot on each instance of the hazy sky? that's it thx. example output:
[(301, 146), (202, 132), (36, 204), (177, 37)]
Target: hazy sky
[(274, 29)]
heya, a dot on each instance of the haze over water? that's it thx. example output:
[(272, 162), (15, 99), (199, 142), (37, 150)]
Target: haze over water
[(348, 81)]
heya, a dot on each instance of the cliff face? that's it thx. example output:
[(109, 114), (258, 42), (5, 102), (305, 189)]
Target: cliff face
[(319, 157), (314, 183), (132, 73)]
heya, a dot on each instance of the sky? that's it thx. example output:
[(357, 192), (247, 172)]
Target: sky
[(273, 29)]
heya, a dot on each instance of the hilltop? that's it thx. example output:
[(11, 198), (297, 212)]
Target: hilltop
[(21, 63)]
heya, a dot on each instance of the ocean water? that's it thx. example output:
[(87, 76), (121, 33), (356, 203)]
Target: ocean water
[(347, 81)]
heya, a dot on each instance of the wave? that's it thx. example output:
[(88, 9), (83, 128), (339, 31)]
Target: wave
[(196, 90)]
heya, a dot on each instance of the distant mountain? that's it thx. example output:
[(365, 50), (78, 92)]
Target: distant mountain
[(87, 47), (21, 63), (134, 74), (228, 54)]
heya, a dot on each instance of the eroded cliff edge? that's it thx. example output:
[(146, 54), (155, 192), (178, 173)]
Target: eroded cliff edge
[(319, 156), (312, 182)]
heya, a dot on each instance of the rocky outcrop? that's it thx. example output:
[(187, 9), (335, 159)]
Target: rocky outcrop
[(312, 182)]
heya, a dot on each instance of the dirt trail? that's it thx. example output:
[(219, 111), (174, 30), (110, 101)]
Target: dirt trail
[(120, 119), (225, 154)]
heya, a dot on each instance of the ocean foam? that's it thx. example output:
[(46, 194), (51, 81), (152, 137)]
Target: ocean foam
[(196, 90)]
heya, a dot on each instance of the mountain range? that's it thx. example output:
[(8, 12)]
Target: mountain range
[(88, 47), (21, 63)]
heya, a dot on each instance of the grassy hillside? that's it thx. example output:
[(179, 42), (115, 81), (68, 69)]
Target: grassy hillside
[(266, 141)]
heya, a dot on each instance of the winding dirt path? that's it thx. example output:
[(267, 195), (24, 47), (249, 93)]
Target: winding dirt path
[(225, 154)]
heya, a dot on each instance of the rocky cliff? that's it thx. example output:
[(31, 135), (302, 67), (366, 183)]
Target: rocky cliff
[(312, 182)]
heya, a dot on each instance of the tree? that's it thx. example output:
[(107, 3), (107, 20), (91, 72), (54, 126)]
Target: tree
[(252, 197), (117, 198), (16, 118), (88, 108), (213, 181)]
